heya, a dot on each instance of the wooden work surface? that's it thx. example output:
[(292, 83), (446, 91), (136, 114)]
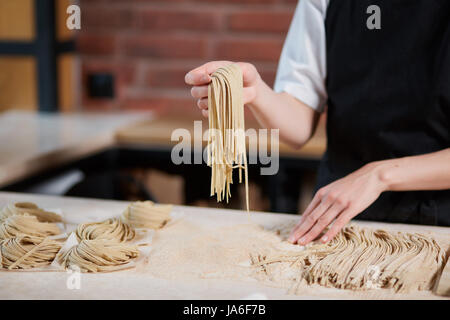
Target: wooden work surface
[(158, 132), (132, 284), (32, 142)]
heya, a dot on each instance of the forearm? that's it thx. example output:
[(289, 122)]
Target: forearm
[(424, 172), (296, 121)]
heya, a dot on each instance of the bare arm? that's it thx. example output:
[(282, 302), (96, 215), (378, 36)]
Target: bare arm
[(340, 201), (296, 121), (430, 171)]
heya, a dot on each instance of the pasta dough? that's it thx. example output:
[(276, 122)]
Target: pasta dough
[(112, 229), (98, 256), (17, 225), (21, 208), (145, 214), (226, 140), (25, 252), (361, 259)]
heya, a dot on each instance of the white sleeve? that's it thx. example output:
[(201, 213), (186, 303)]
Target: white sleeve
[(302, 67)]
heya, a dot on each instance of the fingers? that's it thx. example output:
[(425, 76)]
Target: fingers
[(312, 205), (340, 222), (200, 76), (308, 223), (249, 94), (249, 71), (203, 103), (199, 92), (321, 223)]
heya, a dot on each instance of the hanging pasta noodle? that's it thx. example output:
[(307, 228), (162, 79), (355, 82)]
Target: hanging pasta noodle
[(21, 208), (18, 225), (112, 229), (25, 252), (226, 140), (361, 259), (98, 256), (145, 214)]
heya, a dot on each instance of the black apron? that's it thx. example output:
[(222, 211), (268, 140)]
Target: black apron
[(389, 97)]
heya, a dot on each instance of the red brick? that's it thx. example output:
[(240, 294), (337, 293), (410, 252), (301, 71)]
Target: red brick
[(176, 19), (99, 104), (249, 49), (268, 76), (123, 71), (164, 47), (102, 17), (161, 105), (166, 77), (262, 21), (96, 44)]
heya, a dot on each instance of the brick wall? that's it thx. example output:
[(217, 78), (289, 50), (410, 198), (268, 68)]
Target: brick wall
[(150, 45)]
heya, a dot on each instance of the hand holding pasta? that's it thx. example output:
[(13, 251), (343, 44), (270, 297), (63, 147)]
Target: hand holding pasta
[(200, 77)]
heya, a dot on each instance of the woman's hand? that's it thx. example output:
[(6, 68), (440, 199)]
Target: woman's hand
[(199, 78), (339, 201)]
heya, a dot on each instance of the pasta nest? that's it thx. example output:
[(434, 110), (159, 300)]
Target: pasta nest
[(98, 256), (22, 208), (17, 225), (26, 252), (145, 214), (112, 229)]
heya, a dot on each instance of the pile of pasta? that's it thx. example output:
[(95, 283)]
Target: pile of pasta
[(30, 238), (145, 214), (26, 236), (360, 259)]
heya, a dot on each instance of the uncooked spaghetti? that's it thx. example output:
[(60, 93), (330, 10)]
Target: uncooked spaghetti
[(18, 225), (145, 214), (226, 140), (98, 256), (21, 208), (25, 252), (111, 229), (360, 259)]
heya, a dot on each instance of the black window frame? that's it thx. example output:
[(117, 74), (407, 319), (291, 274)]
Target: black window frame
[(45, 48)]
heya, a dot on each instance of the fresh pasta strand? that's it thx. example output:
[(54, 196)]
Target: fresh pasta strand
[(111, 229), (18, 225), (362, 259), (21, 208), (226, 140), (98, 256), (25, 252), (145, 214)]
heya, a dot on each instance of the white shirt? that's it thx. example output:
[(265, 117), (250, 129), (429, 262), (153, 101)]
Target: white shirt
[(302, 68)]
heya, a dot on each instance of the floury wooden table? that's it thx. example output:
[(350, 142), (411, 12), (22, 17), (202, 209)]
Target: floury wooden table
[(151, 280)]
